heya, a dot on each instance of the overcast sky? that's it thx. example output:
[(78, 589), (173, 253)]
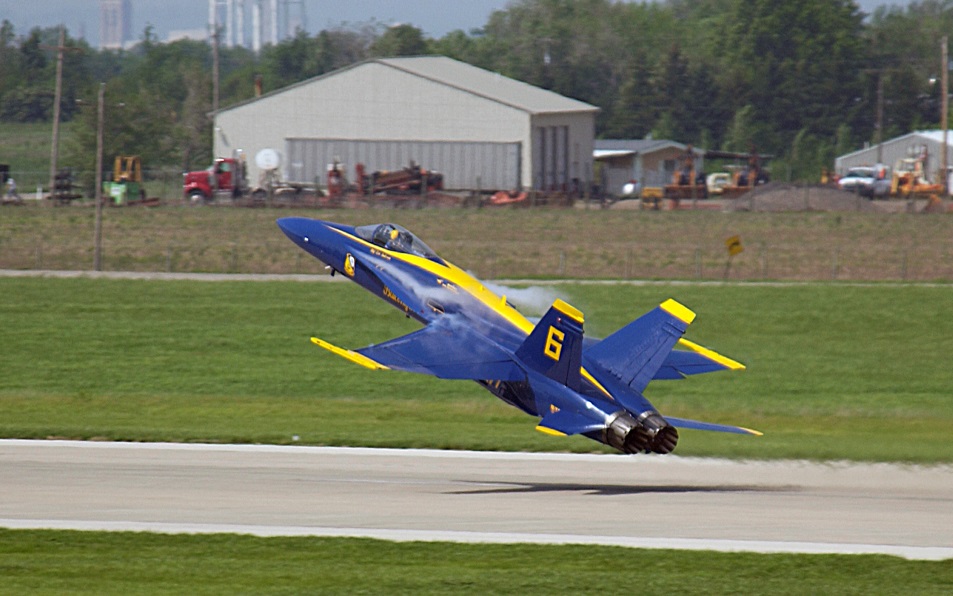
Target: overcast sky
[(435, 17)]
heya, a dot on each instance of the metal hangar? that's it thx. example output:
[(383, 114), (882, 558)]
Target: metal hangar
[(481, 130)]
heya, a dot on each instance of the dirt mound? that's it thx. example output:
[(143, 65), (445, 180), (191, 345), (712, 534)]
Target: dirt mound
[(780, 196)]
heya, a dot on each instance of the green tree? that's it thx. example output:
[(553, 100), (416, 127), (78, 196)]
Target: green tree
[(290, 61), (9, 58), (400, 40), (635, 109), (796, 64), (743, 132)]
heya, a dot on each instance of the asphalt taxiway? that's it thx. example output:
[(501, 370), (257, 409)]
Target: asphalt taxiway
[(638, 501)]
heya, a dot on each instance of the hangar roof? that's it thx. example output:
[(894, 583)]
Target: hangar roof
[(637, 145), (930, 135), (490, 85), (466, 78)]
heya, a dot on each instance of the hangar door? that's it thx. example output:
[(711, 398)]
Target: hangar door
[(464, 165), (551, 158)]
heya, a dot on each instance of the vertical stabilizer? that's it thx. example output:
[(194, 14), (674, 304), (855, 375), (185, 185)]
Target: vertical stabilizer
[(554, 348), (636, 352)]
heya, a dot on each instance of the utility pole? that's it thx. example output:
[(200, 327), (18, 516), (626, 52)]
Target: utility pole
[(97, 192), (215, 68), (945, 109), (880, 116), (57, 95)]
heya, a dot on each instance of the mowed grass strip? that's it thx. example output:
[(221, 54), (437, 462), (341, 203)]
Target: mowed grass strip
[(834, 371), (57, 562), (501, 243)]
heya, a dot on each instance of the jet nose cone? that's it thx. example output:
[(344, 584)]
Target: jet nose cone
[(299, 229)]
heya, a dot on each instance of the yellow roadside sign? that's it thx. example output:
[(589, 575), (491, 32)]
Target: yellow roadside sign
[(734, 245)]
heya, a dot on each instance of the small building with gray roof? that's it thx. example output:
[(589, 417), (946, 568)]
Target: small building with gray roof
[(651, 162), (479, 129)]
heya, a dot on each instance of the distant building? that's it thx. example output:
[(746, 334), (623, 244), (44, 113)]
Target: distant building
[(479, 129), (923, 144), (650, 161), (115, 23)]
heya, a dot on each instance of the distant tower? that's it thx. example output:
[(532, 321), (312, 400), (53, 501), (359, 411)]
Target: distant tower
[(115, 23), (256, 26), (273, 22), (220, 15), (294, 19), (228, 16), (240, 23)]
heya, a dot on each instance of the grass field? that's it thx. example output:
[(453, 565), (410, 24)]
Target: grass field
[(47, 562), (834, 372), (507, 243)]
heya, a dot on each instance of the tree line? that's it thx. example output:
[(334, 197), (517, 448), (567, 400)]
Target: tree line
[(801, 79)]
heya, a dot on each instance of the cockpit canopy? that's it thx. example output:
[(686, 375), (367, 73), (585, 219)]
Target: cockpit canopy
[(396, 238)]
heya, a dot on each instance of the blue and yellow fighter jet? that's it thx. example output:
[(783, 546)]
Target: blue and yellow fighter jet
[(573, 384)]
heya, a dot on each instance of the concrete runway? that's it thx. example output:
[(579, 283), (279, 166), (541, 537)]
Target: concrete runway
[(639, 501)]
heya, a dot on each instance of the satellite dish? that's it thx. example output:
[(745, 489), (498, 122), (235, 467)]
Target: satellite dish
[(267, 159)]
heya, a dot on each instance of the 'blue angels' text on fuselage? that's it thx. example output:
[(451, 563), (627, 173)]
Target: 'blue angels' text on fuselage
[(549, 370)]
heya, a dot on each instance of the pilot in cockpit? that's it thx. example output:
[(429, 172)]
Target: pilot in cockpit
[(399, 241), (395, 238)]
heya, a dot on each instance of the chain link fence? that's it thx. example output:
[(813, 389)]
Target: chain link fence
[(165, 183)]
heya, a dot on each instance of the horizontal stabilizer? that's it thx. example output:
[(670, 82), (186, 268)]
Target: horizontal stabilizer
[(637, 351), (682, 363), (565, 422), (721, 428)]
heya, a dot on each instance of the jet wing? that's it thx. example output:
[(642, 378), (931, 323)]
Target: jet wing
[(446, 349)]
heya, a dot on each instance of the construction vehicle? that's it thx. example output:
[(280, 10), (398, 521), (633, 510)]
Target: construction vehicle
[(686, 182), (743, 178), (909, 178), (126, 184), (226, 176), (412, 180)]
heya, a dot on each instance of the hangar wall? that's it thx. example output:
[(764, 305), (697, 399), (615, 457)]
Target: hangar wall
[(464, 165)]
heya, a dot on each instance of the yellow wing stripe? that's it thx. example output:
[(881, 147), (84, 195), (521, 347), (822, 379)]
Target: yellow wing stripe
[(550, 431), (678, 310), (712, 355), (350, 355)]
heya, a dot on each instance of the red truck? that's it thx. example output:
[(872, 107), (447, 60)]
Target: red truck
[(225, 176)]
